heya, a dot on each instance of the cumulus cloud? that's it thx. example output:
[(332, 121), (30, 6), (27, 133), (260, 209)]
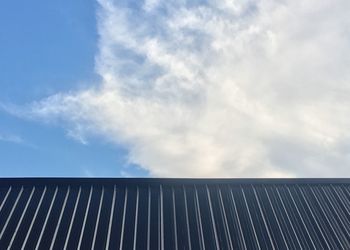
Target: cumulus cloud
[(219, 88)]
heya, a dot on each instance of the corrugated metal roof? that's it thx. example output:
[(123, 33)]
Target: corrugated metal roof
[(174, 214)]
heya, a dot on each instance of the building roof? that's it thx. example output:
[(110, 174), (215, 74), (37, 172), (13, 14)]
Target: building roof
[(57, 213)]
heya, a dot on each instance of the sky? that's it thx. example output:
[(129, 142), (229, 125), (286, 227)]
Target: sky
[(216, 88)]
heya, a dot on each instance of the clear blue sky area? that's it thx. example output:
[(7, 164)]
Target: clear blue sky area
[(48, 47)]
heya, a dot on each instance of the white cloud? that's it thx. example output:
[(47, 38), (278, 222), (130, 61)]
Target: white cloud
[(16, 139), (222, 89), (11, 138)]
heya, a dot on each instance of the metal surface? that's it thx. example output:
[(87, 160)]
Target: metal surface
[(63, 213)]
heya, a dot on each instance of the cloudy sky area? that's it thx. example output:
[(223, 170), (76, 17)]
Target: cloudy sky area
[(192, 89)]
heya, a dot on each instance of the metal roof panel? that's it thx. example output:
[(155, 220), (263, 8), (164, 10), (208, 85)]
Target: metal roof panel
[(108, 213)]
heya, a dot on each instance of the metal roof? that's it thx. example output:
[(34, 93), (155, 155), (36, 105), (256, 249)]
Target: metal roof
[(76, 213)]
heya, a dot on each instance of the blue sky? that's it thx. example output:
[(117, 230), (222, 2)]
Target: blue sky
[(48, 47), (214, 88)]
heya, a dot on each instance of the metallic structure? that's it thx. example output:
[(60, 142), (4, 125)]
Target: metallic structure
[(78, 213)]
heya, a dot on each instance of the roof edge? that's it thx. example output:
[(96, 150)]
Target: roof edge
[(170, 181)]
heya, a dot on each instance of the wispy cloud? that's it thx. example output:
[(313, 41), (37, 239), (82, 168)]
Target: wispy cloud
[(16, 139), (11, 138), (221, 88)]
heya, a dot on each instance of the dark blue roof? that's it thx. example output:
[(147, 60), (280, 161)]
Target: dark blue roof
[(71, 213)]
